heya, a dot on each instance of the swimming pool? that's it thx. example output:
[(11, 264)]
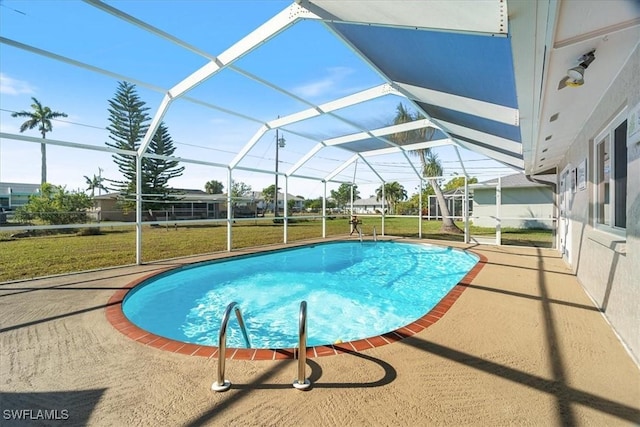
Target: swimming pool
[(353, 290)]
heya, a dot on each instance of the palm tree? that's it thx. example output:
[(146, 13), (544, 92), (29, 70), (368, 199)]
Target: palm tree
[(394, 192), (431, 166), (93, 183), (41, 117), (268, 194)]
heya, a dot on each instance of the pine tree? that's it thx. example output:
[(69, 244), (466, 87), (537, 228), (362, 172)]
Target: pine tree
[(128, 120), (158, 172), (128, 123)]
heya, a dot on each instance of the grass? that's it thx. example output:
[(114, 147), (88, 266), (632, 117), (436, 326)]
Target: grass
[(30, 257)]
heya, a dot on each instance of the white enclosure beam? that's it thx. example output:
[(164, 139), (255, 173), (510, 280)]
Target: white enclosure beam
[(79, 64), (266, 31), (305, 158), (420, 209), (257, 37), (120, 77), (345, 139), (492, 154), (347, 101), (147, 27), (464, 170), (224, 110), (406, 157), (155, 122), (285, 209), (498, 212), (465, 205), (387, 130), (272, 27), (184, 160), (327, 108), (395, 148), (375, 172), (499, 142), (39, 140), (360, 157), (138, 210), (248, 146), (229, 210), (341, 167), (324, 209), (475, 107), (411, 147)]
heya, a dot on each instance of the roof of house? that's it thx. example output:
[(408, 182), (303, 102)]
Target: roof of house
[(367, 202), (455, 192), (179, 194), (257, 195), (190, 195), (517, 180)]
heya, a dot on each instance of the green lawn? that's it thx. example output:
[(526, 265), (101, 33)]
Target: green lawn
[(28, 257)]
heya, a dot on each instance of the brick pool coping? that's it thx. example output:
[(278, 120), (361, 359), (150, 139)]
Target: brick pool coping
[(116, 317)]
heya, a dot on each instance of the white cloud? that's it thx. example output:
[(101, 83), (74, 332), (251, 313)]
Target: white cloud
[(11, 86), (330, 82)]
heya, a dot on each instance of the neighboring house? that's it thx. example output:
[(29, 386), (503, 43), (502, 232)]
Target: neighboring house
[(524, 204), (366, 206), (189, 204), (13, 194), (298, 202), (106, 208)]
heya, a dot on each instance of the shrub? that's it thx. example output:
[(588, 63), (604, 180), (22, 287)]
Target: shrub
[(55, 205)]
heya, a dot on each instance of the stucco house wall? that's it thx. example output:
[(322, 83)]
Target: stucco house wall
[(607, 265), (105, 208), (366, 206), (527, 202), (298, 202)]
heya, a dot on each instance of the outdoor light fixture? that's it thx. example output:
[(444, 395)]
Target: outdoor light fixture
[(575, 75)]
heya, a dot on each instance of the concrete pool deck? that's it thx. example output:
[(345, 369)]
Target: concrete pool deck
[(523, 344)]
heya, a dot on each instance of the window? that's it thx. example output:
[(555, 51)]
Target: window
[(610, 177)]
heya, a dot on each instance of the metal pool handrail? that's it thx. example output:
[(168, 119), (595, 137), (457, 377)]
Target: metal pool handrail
[(221, 384), (375, 236), (302, 383)]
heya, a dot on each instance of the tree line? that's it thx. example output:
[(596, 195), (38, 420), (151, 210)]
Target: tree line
[(129, 123)]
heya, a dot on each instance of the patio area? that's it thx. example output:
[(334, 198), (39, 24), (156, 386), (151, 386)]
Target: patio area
[(522, 345)]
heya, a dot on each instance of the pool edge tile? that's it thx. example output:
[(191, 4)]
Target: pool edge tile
[(244, 354), (115, 316)]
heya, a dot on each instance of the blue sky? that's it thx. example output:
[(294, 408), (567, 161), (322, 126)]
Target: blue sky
[(306, 60)]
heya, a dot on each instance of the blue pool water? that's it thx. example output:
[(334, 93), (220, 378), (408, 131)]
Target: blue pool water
[(353, 290)]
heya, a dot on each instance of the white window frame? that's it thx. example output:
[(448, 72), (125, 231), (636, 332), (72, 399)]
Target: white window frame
[(607, 133)]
